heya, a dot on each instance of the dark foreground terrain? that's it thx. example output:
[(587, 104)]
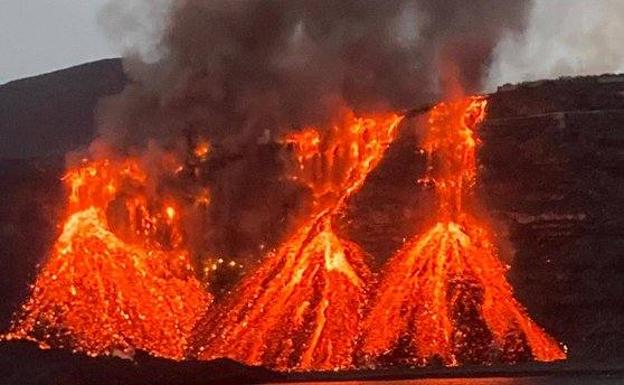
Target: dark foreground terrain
[(23, 363)]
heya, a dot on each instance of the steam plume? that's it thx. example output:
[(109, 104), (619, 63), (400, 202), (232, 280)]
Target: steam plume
[(563, 38)]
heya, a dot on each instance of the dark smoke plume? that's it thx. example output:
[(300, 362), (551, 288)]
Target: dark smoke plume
[(243, 72)]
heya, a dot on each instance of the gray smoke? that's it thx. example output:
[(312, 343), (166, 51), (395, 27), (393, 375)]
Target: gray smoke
[(240, 72), (563, 38)]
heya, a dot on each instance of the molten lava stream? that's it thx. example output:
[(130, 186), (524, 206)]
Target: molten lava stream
[(301, 308), (100, 294), (444, 294)]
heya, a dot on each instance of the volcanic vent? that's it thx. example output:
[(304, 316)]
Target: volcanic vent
[(118, 277), (444, 294), (301, 308)]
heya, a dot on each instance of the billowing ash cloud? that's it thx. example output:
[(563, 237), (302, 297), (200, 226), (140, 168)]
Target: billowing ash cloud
[(234, 68), (563, 38), (241, 71)]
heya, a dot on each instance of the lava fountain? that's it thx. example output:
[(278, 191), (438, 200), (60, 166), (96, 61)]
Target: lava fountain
[(444, 294), (118, 277), (301, 308)]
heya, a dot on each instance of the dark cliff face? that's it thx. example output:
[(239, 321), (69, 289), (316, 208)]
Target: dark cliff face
[(553, 160), (53, 113), (551, 180)]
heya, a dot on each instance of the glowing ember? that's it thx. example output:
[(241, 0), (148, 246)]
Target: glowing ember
[(444, 294), (301, 308), (103, 291), (202, 149)]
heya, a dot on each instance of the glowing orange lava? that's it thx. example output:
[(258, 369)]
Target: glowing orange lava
[(118, 278), (444, 294), (202, 149), (301, 308)]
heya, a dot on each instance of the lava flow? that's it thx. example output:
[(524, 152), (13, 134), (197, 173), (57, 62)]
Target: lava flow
[(118, 277), (301, 308), (444, 295)]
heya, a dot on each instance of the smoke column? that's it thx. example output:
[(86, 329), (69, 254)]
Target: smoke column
[(563, 38), (244, 72)]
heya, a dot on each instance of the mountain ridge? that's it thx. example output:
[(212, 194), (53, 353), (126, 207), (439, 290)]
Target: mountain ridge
[(53, 113)]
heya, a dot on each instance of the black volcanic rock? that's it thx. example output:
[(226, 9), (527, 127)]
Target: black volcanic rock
[(23, 363), (53, 113)]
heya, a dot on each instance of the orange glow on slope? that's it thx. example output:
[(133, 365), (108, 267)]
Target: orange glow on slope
[(102, 291), (444, 294), (301, 308)]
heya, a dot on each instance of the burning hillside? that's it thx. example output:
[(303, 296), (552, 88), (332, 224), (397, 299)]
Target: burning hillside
[(119, 277), (444, 294), (301, 308)]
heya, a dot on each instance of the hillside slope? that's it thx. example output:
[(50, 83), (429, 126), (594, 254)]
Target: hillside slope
[(52, 113)]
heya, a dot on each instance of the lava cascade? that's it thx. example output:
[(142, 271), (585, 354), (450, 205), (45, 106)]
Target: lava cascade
[(444, 294), (301, 308), (118, 277)]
